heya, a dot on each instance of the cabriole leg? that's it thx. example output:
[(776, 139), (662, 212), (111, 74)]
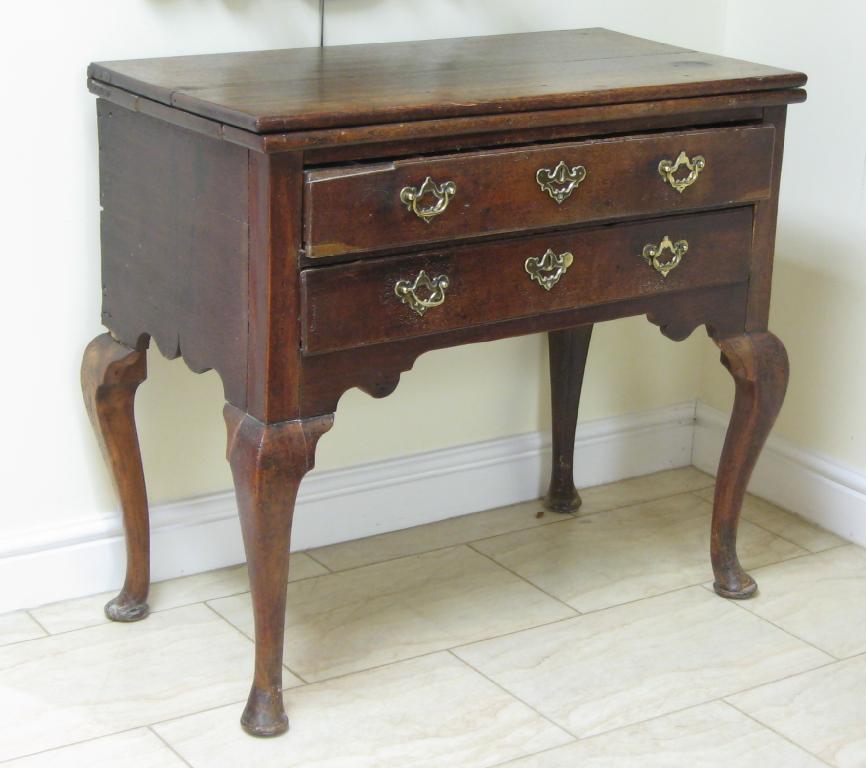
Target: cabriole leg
[(567, 350), (268, 462), (110, 375), (759, 365)]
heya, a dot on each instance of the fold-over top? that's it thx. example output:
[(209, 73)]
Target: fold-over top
[(354, 85)]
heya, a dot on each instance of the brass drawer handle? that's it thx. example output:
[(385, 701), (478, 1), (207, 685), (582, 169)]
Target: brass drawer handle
[(435, 287), (652, 255), (547, 270), (561, 181), (668, 169), (411, 197)]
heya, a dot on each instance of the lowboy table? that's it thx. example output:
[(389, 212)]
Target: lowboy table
[(307, 221)]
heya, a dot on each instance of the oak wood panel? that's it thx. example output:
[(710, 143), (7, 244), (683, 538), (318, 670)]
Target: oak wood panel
[(355, 304), (270, 91), (357, 208), (174, 242)]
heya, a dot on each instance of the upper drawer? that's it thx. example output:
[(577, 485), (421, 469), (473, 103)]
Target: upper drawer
[(383, 206)]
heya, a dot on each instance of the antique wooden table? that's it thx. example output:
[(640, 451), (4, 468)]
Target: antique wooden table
[(307, 221)]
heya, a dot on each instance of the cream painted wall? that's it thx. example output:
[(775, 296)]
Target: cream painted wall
[(53, 477), (51, 469), (819, 298)]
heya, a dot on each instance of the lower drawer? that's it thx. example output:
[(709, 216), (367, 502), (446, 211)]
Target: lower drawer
[(367, 302)]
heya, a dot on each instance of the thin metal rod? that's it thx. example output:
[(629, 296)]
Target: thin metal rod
[(322, 23)]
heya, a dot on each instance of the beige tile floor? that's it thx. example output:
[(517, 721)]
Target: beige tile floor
[(498, 639)]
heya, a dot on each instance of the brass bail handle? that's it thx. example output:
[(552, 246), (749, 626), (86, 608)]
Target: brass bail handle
[(561, 181), (435, 287), (653, 255), (548, 270), (668, 170), (411, 197)]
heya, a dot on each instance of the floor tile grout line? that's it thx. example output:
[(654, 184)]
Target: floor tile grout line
[(525, 580), (805, 553), (721, 699), (170, 747), (681, 588), (514, 760), (122, 731), (679, 710), (773, 730), (152, 611), (515, 697), (531, 526), (251, 639), (467, 543), (745, 516), (312, 557), (791, 676), (454, 545), (566, 517), (786, 631), (38, 623), (569, 618)]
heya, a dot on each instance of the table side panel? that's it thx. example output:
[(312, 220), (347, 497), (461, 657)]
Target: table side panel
[(175, 242)]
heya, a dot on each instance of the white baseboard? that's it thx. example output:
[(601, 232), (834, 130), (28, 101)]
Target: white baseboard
[(46, 565), (814, 486)]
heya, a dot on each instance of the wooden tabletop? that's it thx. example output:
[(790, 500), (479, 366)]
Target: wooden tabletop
[(351, 85)]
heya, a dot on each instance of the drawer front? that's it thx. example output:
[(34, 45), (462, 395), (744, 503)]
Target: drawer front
[(378, 300), (368, 208)]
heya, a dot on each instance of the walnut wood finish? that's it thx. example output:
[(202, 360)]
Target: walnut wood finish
[(759, 365), (110, 375), (567, 350), (489, 282), (212, 166), (497, 192), (268, 462)]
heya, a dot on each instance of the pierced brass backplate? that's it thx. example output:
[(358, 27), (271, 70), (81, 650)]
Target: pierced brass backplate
[(548, 269), (668, 171), (411, 198), (652, 255), (561, 181), (435, 287)]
